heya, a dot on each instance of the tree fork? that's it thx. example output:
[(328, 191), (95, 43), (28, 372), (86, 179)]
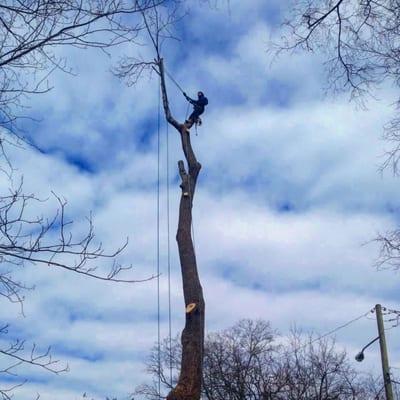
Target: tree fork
[(191, 373)]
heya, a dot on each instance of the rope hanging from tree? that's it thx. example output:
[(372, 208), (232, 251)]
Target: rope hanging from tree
[(169, 260), (158, 248), (186, 115), (168, 236)]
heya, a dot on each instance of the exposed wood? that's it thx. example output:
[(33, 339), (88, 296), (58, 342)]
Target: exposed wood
[(190, 307), (190, 378)]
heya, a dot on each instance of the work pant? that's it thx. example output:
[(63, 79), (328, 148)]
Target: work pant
[(195, 115)]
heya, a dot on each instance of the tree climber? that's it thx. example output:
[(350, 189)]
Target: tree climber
[(198, 109)]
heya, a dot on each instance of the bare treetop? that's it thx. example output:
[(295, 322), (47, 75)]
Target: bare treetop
[(30, 32), (359, 38), (246, 362), (360, 42), (158, 25)]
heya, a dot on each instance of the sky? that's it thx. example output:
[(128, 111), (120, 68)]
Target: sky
[(288, 201)]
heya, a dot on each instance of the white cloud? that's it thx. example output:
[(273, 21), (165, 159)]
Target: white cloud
[(306, 265)]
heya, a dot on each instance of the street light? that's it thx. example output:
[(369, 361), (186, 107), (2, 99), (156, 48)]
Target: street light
[(384, 356), (360, 356)]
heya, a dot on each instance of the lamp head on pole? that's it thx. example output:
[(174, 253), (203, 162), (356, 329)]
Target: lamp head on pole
[(359, 357)]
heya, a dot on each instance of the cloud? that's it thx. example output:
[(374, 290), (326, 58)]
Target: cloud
[(288, 195)]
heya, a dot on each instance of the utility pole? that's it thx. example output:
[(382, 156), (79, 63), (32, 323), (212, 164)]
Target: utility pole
[(384, 355)]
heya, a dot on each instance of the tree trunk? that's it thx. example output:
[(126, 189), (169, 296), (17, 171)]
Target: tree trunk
[(190, 378)]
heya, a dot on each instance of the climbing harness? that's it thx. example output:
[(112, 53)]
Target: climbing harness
[(186, 116)]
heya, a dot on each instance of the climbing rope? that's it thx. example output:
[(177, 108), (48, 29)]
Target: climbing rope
[(187, 111), (180, 88), (158, 248), (168, 235), (169, 260), (173, 80)]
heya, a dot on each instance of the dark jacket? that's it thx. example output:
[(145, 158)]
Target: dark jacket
[(198, 104)]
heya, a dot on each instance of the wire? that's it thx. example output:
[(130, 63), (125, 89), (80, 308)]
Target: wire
[(345, 325)]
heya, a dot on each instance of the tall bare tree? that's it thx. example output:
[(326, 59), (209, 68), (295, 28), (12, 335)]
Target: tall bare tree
[(191, 372), (188, 386)]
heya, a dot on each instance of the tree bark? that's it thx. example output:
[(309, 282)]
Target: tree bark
[(190, 378)]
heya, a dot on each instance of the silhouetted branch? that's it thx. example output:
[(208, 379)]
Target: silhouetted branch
[(24, 238), (359, 39)]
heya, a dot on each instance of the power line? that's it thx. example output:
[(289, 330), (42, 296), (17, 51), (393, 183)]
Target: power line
[(338, 328)]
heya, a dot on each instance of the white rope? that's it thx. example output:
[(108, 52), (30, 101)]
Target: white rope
[(158, 247), (169, 261)]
